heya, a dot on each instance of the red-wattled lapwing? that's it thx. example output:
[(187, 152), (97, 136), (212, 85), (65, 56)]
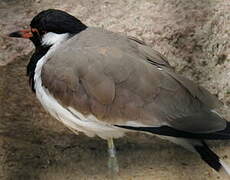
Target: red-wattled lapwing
[(101, 83)]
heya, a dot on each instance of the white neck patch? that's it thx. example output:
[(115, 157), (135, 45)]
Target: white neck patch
[(51, 38)]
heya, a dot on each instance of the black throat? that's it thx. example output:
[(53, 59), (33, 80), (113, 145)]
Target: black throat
[(38, 54)]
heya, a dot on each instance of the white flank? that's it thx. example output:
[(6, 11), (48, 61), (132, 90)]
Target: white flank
[(69, 116)]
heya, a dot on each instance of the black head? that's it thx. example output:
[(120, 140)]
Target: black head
[(56, 21), (49, 24), (50, 20)]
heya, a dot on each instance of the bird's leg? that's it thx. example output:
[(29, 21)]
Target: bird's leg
[(112, 161)]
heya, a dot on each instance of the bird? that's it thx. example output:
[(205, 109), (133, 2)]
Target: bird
[(106, 84)]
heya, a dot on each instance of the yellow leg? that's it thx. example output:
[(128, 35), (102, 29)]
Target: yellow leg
[(112, 161)]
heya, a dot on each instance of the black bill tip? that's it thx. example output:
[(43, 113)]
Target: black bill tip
[(16, 34)]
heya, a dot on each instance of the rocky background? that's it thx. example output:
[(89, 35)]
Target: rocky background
[(193, 34)]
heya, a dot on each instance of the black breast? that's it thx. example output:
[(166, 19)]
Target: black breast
[(38, 54)]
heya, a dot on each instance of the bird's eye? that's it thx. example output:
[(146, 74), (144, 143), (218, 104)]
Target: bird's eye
[(34, 30), (39, 33)]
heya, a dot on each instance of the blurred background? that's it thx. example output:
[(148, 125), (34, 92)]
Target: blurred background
[(193, 34)]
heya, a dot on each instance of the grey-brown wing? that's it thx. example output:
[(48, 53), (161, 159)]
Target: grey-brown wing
[(149, 54), (157, 59), (120, 88), (197, 120)]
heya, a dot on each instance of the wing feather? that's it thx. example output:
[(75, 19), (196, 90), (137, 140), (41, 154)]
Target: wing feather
[(121, 80)]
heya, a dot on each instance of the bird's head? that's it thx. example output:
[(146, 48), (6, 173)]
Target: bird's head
[(49, 27)]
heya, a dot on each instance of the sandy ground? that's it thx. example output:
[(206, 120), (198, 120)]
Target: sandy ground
[(193, 34)]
